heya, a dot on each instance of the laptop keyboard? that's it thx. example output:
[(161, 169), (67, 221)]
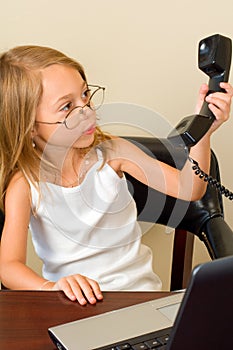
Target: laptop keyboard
[(155, 340)]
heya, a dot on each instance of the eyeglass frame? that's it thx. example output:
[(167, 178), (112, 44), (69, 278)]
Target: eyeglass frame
[(98, 87)]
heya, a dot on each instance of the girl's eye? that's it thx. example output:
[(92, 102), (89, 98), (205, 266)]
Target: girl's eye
[(86, 95), (67, 107)]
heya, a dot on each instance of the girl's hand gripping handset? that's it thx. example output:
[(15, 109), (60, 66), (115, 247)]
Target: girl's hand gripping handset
[(214, 59)]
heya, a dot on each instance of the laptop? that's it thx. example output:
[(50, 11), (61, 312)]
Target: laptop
[(199, 318)]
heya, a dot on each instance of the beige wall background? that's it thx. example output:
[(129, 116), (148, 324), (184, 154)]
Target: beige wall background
[(144, 52)]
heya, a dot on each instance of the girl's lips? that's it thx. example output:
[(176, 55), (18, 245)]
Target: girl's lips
[(89, 131)]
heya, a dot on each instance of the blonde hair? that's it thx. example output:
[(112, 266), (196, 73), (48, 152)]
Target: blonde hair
[(20, 94)]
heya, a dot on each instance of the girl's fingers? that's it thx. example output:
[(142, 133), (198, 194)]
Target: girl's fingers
[(80, 288), (64, 285), (219, 105), (96, 289), (217, 96), (227, 87)]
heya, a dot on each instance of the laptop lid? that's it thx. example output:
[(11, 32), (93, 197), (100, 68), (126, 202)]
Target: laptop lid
[(204, 315)]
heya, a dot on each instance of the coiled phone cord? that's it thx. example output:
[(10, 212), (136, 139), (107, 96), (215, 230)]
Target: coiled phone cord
[(212, 181)]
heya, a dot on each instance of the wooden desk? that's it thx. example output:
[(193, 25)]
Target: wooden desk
[(25, 316)]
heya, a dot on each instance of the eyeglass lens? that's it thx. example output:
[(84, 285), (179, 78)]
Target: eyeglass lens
[(96, 97), (79, 113)]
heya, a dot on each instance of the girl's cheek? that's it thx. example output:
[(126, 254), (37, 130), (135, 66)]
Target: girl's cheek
[(64, 137)]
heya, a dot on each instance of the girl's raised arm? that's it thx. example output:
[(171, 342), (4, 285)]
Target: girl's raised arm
[(182, 184)]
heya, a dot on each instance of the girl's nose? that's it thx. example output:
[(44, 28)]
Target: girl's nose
[(86, 112)]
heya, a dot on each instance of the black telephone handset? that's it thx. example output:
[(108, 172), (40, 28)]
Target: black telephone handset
[(214, 59)]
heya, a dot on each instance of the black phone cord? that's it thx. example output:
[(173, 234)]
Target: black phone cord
[(212, 181)]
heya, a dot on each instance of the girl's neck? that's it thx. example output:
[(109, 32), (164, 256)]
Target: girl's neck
[(69, 168)]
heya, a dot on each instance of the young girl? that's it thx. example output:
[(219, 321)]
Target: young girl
[(63, 177)]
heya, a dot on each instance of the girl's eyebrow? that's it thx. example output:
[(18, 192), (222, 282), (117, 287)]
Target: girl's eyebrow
[(68, 96), (63, 98)]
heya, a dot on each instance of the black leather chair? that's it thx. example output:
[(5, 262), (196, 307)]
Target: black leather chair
[(203, 218)]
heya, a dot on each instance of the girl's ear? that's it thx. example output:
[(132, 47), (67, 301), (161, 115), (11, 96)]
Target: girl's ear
[(33, 135), (33, 132)]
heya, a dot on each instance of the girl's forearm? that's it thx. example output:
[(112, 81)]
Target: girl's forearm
[(200, 153), (16, 275)]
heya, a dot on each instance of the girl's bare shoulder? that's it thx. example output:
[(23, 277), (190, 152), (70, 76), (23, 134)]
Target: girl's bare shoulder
[(121, 144), (18, 183), (122, 147)]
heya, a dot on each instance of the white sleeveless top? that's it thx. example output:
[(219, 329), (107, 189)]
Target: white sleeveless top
[(92, 230)]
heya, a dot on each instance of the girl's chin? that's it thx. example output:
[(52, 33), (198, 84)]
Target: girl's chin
[(84, 141)]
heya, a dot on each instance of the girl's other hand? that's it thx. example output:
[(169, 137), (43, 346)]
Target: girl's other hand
[(80, 288), (219, 103)]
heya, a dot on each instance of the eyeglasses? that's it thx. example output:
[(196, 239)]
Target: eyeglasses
[(94, 98)]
